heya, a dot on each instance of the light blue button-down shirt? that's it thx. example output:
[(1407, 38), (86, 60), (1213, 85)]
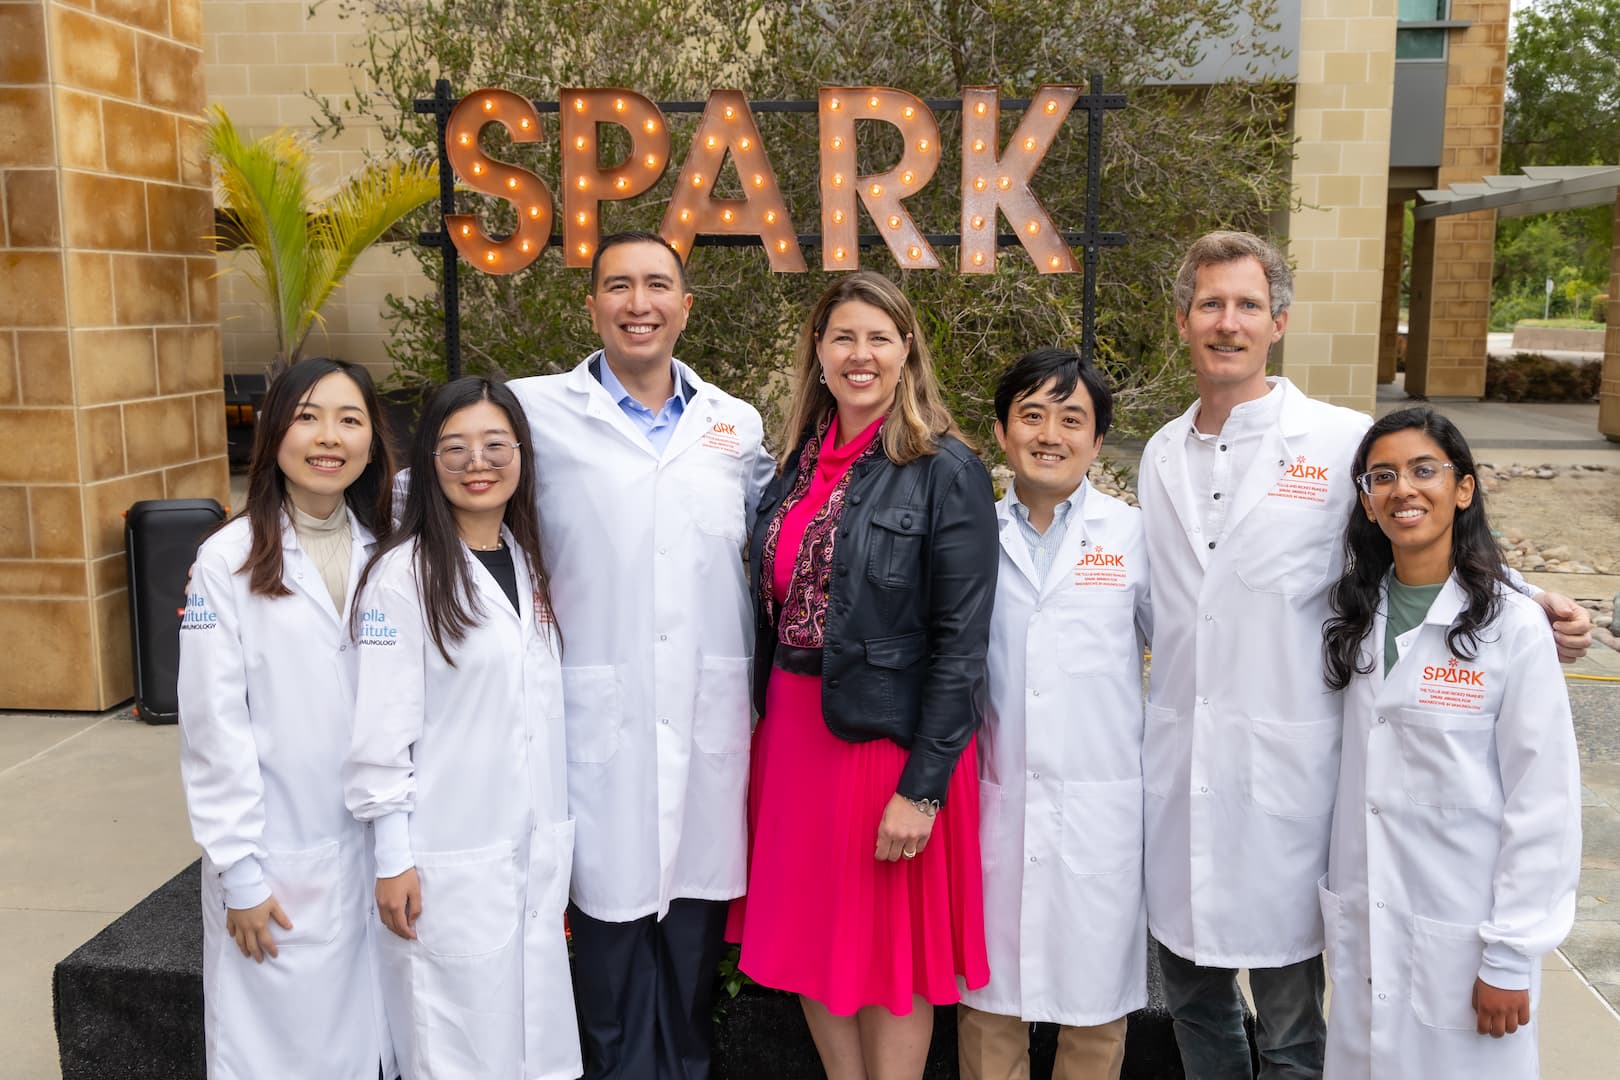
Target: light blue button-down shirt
[(1043, 547), (657, 427)]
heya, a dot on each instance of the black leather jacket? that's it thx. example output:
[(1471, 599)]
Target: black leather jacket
[(908, 613)]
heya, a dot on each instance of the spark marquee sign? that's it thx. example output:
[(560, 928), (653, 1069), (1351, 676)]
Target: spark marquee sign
[(996, 177)]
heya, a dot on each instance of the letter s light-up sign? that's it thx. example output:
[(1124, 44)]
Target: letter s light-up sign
[(995, 178)]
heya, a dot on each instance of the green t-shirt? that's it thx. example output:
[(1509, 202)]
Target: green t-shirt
[(1408, 604)]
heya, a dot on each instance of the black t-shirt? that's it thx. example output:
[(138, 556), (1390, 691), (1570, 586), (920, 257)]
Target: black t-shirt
[(499, 564)]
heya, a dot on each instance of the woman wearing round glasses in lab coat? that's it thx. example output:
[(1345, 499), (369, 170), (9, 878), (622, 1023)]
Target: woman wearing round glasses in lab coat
[(457, 758), (1456, 834), (266, 686)]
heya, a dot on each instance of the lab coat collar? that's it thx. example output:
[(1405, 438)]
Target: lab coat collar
[(598, 404), (361, 544), (494, 596), (1448, 604), (1086, 508)]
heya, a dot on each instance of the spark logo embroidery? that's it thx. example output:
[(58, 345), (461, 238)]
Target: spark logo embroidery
[(1302, 482), (1100, 569), (1452, 686), (723, 437)]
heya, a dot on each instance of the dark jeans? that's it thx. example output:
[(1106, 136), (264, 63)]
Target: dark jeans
[(645, 990), (1207, 1008)]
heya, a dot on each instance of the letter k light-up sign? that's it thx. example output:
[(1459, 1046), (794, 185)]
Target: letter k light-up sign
[(996, 179)]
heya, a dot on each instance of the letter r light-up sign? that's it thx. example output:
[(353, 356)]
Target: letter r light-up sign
[(996, 177)]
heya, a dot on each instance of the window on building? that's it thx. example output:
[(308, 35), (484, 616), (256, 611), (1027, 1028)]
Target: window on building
[(1421, 42)]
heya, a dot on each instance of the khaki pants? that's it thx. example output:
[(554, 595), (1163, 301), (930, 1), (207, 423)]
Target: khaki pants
[(995, 1047)]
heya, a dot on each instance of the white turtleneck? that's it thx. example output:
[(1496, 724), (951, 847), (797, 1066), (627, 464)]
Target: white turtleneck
[(328, 543)]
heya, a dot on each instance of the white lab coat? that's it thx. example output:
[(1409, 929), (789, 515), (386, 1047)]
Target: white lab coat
[(1456, 846), (1060, 765), (266, 690), (645, 554), (471, 756), (1241, 748)]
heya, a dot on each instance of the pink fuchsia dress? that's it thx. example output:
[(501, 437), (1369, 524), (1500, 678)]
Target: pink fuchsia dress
[(823, 917)]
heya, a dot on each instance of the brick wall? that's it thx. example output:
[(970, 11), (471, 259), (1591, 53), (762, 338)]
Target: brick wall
[(109, 347)]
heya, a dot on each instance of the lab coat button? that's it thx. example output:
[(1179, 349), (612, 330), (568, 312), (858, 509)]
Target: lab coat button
[(1380, 719), (1037, 693), (1033, 859), (1381, 997), (1209, 618), (1204, 701), (1034, 776), (1203, 790), (664, 720), (344, 647), (533, 914), (1375, 810), (1212, 545), (1217, 496), (1380, 905), (1223, 446), (663, 637)]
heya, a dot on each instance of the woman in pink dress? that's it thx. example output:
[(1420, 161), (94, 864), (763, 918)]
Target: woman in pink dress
[(873, 561)]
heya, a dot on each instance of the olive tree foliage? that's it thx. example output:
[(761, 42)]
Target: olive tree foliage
[(1175, 163)]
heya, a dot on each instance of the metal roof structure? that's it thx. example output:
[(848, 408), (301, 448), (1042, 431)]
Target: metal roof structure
[(1540, 189)]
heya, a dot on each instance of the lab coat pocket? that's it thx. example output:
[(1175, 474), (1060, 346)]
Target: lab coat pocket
[(716, 506), (593, 713), (1294, 767), (469, 900), (1446, 757), (1333, 918), (1445, 963), (722, 717), (1096, 632), (1286, 550), (308, 885), (896, 547), (992, 826), (1102, 827), (1160, 750)]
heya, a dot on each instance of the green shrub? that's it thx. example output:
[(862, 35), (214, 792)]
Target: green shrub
[(1599, 311), (1534, 377)]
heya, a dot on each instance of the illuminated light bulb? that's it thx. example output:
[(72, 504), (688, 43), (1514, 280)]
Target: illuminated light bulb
[(618, 104), (770, 217), (464, 139), (922, 144), (652, 161), (877, 189), (466, 230), (1054, 262), (579, 142), (676, 244), (910, 112), (489, 104), (838, 254), (726, 216), (834, 104), (686, 215), (894, 221), (511, 182), (651, 126), (1029, 144), (978, 221), (914, 251), (872, 102), (525, 246), (781, 245), (745, 142), (489, 256), (579, 104), (621, 183), (711, 142), (1004, 183), (978, 146), (582, 217), (838, 179), (697, 179), (907, 177), (981, 108), (584, 249), (838, 142), (534, 211), (582, 183), (1051, 105), (731, 113), (979, 184), (978, 258), (477, 168), (759, 179), (1032, 228), (838, 217), (524, 123)]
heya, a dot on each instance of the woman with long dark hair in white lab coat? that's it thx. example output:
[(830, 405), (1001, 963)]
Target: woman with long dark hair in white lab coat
[(266, 687), (457, 760), (1456, 834)]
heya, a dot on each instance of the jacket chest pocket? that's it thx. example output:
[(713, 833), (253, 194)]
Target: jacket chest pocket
[(896, 540), (1446, 758)]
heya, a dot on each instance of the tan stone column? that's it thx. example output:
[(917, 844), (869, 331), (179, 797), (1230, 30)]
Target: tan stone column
[(109, 343), (1455, 291), (1609, 395)]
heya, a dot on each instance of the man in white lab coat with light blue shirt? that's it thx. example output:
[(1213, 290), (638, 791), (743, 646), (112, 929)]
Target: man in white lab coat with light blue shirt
[(647, 478)]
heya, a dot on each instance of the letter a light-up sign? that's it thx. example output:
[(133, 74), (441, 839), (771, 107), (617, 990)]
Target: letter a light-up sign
[(586, 185), (728, 127), (841, 106), (993, 180), (526, 192)]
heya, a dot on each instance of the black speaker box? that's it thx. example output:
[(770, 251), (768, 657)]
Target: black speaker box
[(160, 543)]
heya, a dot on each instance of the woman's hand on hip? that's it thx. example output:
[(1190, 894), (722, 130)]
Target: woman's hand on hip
[(251, 928), (904, 830), (399, 903)]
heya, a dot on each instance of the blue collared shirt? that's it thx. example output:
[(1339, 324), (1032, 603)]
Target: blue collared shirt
[(1043, 547), (657, 427)]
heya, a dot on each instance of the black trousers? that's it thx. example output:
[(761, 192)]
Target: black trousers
[(645, 990)]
